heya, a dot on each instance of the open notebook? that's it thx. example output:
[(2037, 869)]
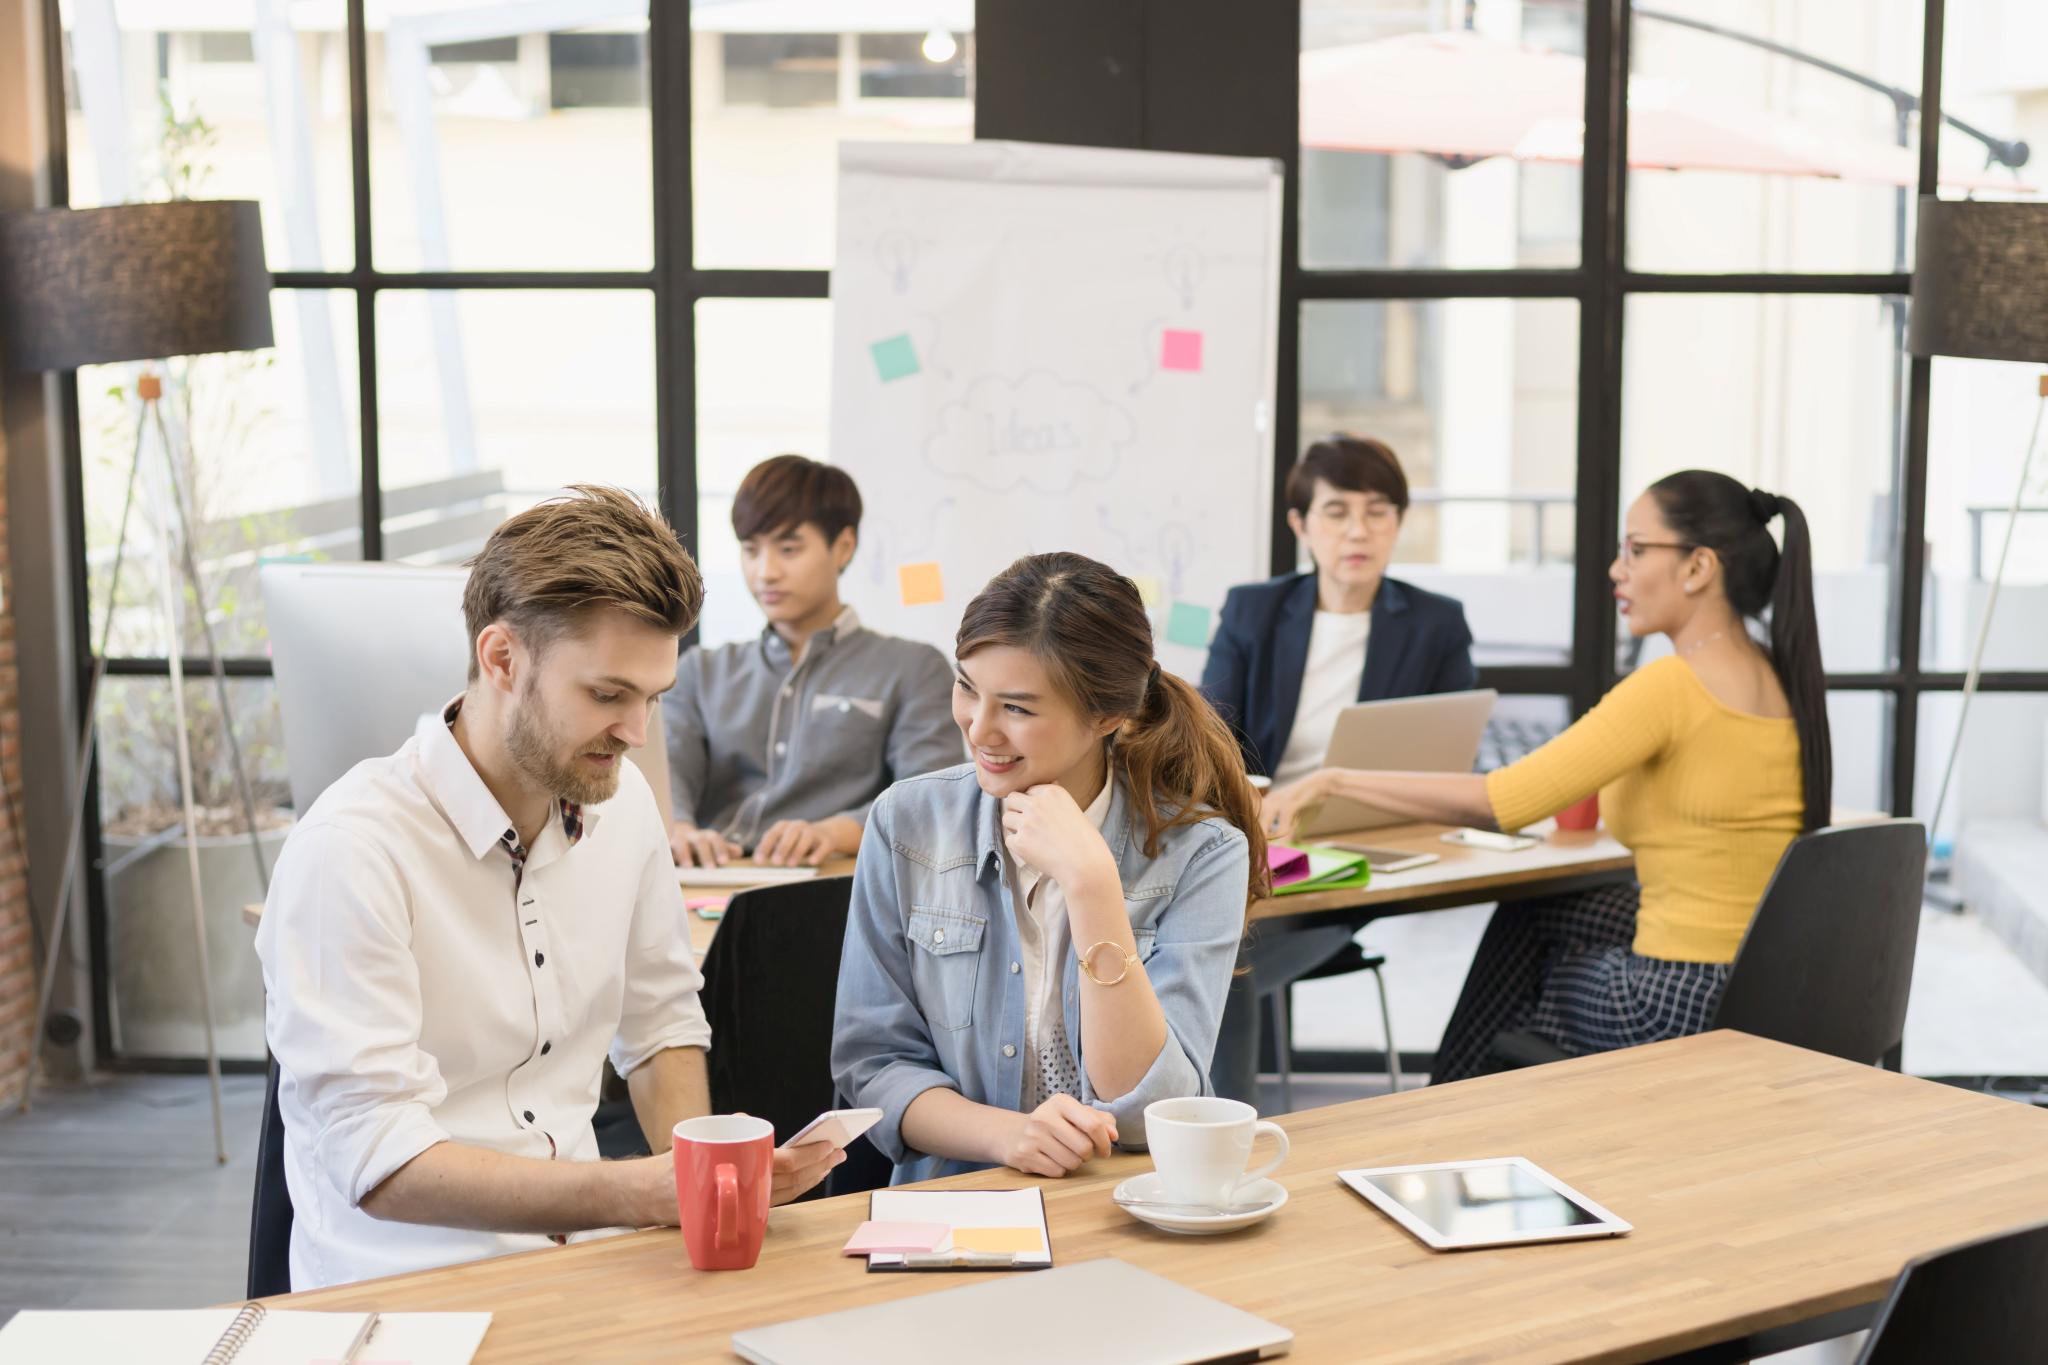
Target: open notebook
[(254, 1334)]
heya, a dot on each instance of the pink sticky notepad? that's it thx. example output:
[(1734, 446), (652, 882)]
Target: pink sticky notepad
[(896, 1238), (1180, 350)]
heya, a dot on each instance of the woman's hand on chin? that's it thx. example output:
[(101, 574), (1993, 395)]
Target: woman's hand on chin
[(1044, 827)]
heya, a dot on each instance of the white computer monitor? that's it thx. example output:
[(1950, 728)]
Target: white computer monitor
[(361, 652)]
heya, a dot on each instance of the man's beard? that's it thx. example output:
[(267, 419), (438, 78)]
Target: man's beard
[(533, 743)]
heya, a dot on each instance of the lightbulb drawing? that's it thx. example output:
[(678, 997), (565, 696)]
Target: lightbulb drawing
[(896, 253), (1184, 272), (939, 47)]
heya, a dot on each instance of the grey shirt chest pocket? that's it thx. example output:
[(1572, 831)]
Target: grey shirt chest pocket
[(945, 963)]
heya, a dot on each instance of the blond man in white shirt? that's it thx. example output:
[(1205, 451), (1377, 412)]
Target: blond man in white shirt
[(457, 935)]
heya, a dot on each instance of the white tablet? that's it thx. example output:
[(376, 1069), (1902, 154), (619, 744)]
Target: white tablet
[(1456, 1205)]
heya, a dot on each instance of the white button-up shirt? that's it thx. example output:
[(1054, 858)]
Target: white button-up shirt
[(422, 989)]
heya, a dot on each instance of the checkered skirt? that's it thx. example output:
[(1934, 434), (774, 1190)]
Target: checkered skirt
[(1563, 967)]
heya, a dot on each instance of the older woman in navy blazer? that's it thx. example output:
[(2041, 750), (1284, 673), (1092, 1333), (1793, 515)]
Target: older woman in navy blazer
[(1418, 644), (1292, 652)]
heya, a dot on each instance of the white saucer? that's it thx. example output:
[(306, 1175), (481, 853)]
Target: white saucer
[(1270, 1194)]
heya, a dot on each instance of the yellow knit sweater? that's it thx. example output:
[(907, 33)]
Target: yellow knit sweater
[(1706, 796)]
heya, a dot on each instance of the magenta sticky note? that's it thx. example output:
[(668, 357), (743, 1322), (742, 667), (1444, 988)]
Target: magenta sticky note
[(1180, 350), (898, 1238)]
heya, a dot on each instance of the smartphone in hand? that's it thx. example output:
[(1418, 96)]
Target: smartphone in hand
[(836, 1126)]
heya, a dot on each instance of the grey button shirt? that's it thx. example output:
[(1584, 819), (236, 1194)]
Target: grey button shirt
[(753, 740)]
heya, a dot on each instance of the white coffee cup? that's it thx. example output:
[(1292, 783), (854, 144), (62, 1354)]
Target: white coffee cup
[(1200, 1145)]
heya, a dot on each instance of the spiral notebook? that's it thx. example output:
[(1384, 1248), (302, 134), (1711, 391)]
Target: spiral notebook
[(254, 1334)]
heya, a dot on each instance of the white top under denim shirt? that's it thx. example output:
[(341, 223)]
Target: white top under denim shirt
[(932, 989)]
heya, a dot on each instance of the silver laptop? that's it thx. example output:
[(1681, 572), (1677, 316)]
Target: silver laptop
[(1438, 734), (1120, 1312)]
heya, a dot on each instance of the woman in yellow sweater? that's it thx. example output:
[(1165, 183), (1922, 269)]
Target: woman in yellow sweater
[(1708, 763)]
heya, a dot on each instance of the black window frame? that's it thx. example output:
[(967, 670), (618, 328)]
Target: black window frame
[(1188, 75)]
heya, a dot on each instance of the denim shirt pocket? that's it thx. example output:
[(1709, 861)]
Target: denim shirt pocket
[(945, 963), (1148, 939)]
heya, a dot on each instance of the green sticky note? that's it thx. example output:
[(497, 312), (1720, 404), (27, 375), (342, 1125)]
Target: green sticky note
[(1188, 624), (895, 357)]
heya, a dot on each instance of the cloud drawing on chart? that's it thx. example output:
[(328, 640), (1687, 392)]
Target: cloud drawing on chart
[(1037, 431)]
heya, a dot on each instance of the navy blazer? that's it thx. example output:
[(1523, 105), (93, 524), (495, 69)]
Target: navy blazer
[(1419, 644)]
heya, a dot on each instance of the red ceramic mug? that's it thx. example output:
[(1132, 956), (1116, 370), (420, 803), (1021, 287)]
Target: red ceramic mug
[(1581, 814), (724, 1175)]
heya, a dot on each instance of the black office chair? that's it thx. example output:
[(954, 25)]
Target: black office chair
[(270, 1212), (771, 984), (1279, 999), (1976, 1304), (1827, 963)]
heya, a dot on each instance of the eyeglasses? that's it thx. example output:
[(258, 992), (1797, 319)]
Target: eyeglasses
[(1629, 551)]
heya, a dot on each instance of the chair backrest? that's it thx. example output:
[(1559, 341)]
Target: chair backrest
[(1828, 960), (270, 1212), (333, 626), (771, 985), (1974, 1304)]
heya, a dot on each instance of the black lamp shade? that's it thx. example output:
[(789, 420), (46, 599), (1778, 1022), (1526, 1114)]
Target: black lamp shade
[(132, 282), (1980, 280)]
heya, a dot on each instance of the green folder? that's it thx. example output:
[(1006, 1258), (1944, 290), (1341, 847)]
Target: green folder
[(1329, 869)]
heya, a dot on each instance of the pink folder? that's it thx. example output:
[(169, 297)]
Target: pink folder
[(1287, 864)]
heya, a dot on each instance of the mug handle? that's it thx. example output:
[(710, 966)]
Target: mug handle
[(727, 1178), (1280, 1136)]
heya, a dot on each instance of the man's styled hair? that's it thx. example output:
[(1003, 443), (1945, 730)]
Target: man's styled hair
[(547, 571), (780, 494)]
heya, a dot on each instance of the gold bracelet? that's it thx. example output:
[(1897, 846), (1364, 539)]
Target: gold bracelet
[(1088, 960)]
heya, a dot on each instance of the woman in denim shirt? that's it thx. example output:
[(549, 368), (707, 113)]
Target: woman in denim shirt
[(1041, 940)]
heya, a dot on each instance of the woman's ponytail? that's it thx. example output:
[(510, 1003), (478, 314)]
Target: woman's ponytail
[(1177, 747), (1795, 653)]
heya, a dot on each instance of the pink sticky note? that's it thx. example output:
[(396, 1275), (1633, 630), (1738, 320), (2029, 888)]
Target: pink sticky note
[(1180, 350), (897, 1238)]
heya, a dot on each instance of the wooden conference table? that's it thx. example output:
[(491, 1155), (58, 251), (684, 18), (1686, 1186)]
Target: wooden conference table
[(1566, 860), (1775, 1194)]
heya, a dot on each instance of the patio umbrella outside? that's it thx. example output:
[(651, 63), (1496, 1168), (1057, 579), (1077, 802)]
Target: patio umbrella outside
[(1464, 97)]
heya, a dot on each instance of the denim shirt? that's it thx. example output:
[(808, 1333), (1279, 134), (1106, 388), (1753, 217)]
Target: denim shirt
[(930, 988)]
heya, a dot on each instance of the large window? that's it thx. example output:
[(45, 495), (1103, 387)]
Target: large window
[(512, 280), (1548, 252)]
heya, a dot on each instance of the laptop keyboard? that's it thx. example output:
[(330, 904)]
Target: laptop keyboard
[(1507, 739)]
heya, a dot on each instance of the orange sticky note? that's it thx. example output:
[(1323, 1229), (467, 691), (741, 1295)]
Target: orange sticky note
[(920, 584), (998, 1239)]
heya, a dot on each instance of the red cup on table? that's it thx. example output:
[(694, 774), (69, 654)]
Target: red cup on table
[(724, 1175), (1581, 814)]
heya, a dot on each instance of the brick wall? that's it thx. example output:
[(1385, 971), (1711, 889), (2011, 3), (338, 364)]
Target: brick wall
[(17, 957)]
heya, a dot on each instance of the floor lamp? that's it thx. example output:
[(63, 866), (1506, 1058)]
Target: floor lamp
[(1980, 290), (141, 282)]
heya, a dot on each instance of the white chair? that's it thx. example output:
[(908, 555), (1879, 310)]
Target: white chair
[(361, 652)]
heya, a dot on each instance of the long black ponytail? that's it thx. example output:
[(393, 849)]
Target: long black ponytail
[(1712, 510)]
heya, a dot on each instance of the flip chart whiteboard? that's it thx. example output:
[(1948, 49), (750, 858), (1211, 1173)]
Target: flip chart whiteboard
[(1043, 348)]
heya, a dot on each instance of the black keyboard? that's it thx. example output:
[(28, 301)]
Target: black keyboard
[(1508, 739)]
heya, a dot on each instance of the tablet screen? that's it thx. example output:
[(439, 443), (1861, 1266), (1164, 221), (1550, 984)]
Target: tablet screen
[(1481, 1201)]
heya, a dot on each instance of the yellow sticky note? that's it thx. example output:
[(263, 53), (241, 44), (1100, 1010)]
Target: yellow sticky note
[(1149, 590), (920, 584), (998, 1239)]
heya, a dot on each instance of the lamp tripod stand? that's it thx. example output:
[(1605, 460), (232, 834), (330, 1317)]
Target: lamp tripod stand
[(2012, 518), (168, 498)]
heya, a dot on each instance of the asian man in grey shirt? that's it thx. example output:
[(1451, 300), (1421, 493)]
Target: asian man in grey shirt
[(779, 744)]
